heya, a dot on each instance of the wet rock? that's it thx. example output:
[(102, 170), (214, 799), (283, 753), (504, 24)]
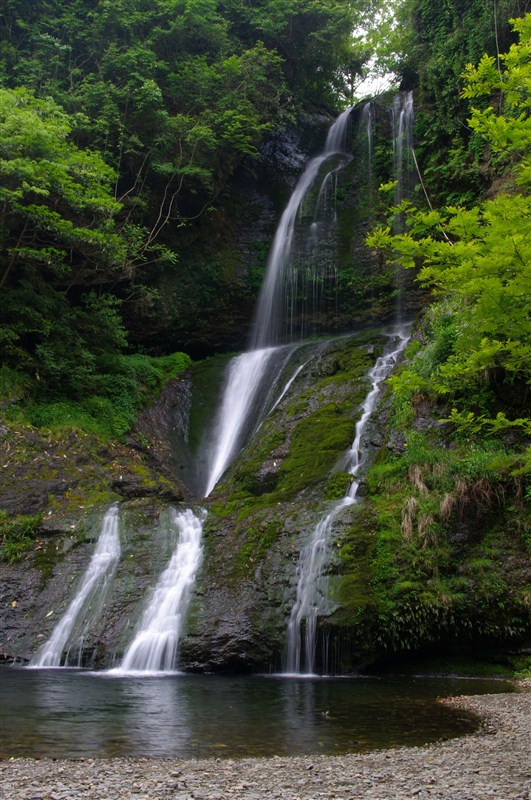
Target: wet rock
[(130, 486), (161, 430)]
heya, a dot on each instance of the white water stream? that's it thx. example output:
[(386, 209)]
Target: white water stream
[(245, 377), (310, 599), (251, 380), (402, 121), (247, 373), (154, 646), (267, 329), (93, 586)]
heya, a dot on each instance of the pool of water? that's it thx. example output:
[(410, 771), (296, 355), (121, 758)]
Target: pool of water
[(68, 713)]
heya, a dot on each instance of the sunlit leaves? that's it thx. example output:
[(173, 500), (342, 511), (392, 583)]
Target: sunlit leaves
[(57, 195), (477, 261)]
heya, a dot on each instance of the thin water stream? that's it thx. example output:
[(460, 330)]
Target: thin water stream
[(69, 633), (402, 121), (310, 601)]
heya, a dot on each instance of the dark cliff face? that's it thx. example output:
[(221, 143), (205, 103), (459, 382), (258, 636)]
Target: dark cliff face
[(205, 303), (53, 493)]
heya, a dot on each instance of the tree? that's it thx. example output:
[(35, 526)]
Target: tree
[(58, 236), (477, 261)]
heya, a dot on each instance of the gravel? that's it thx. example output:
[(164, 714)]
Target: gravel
[(492, 763)]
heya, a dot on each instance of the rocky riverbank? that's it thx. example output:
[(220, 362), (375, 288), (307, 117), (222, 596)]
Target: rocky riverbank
[(492, 763)]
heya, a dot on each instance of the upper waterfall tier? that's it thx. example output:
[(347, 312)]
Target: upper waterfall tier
[(248, 373), (277, 295)]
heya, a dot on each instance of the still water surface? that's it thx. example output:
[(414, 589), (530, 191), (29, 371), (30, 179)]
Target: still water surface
[(67, 713)]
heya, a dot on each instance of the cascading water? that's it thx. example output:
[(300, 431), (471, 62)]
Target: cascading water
[(402, 113), (366, 127), (402, 119), (310, 601), (250, 372), (245, 376), (251, 381), (67, 632), (273, 299), (155, 644)]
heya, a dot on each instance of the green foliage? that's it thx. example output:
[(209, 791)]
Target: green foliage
[(314, 38), (112, 398), (438, 40), (57, 232), (62, 344), (120, 126), (17, 535), (437, 553), (477, 261), (57, 206)]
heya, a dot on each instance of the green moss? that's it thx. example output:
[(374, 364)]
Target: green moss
[(297, 454), (207, 380), (109, 409), (439, 536), (258, 539), (317, 442), (338, 485), (86, 496), (17, 535)]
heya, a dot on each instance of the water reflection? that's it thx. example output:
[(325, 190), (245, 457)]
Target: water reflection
[(73, 713), (155, 712)]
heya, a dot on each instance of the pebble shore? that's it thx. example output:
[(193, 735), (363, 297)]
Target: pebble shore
[(491, 764)]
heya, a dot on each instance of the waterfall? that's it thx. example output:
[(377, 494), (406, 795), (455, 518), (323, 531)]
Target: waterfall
[(250, 372), (366, 125), (92, 590), (279, 270), (402, 113), (245, 374), (310, 601), (296, 281), (155, 644), (251, 381)]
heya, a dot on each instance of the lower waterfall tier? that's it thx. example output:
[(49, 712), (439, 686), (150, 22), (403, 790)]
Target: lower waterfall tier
[(405, 574)]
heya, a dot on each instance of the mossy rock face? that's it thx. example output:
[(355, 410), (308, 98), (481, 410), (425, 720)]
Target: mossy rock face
[(437, 557), (266, 506), (37, 592), (434, 557)]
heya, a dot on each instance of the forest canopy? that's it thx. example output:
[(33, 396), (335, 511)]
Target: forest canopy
[(123, 123)]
